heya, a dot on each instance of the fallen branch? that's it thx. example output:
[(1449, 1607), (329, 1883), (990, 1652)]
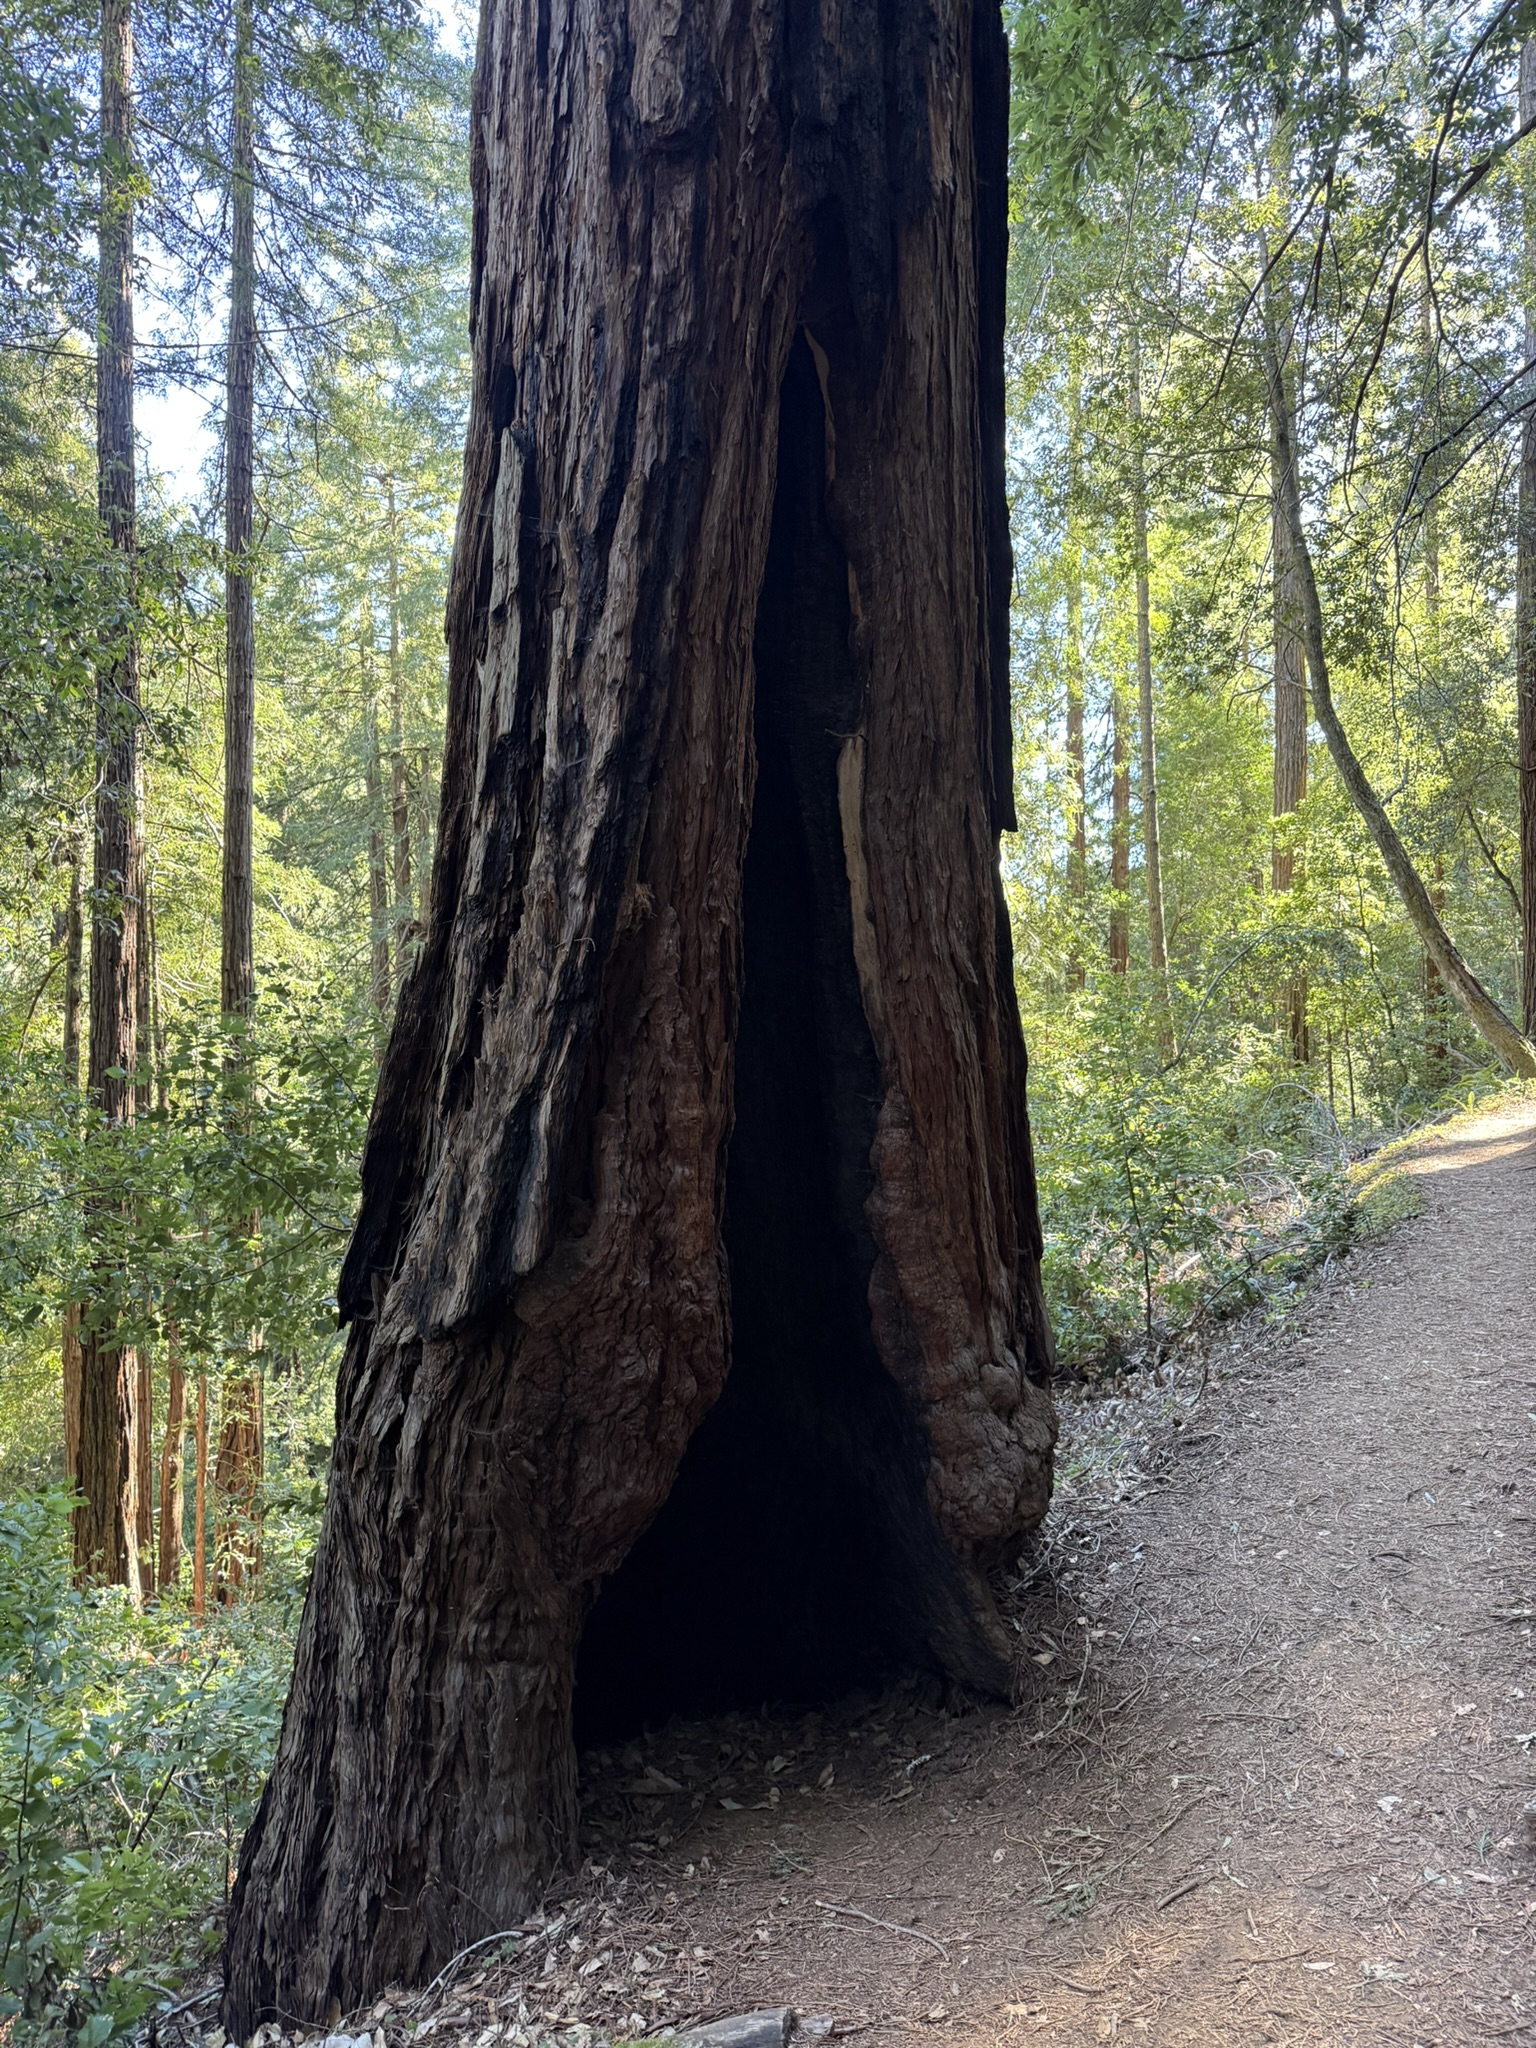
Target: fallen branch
[(1179, 1892), (890, 1926), (485, 1941)]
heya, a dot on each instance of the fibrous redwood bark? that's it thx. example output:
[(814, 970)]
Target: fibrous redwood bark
[(727, 759)]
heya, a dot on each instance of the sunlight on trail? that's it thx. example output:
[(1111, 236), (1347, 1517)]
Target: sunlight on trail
[(1477, 1142)]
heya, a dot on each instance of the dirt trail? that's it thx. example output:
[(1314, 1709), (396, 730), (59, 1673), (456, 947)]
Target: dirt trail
[(1269, 1780)]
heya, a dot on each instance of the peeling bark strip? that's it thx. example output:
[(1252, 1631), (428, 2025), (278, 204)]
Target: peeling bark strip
[(738, 281)]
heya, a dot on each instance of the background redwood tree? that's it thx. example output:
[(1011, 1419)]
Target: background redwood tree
[(105, 1465), (711, 1055)]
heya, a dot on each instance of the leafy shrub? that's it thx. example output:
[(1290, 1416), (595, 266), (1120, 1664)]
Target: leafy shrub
[(132, 1748), (1173, 1192)]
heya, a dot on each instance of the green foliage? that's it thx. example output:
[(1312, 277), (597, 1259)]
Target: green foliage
[(1090, 94), (1193, 1144), (1172, 1194), (45, 157), (132, 1749)]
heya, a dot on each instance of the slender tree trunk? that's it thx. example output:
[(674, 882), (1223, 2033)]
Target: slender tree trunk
[(200, 1503), (1077, 761), (143, 1101), (1289, 652), (237, 1528), (237, 977), (70, 1350), (1290, 689), (711, 1051), (1151, 835), (1525, 584), (1119, 830), (70, 1342), (156, 1003), (144, 1470), (172, 1491), (105, 1516), (143, 1000), (400, 795), (1498, 1032), (1435, 1002), (237, 1477), (1290, 762), (74, 960), (378, 877)]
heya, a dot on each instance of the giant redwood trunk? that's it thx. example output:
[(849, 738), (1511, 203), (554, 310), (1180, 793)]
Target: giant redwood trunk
[(697, 1349)]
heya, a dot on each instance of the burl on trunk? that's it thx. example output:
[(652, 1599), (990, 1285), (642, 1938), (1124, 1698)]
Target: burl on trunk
[(697, 1346)]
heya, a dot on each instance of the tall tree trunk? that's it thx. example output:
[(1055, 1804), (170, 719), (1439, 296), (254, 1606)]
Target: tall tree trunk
[(200, 1502), (1525, 582), (156, 1002), (173, 1444), (104, 1527), (1290, 718), (236, 1489), (144, 1471), (1498, 1032), (237, 1477), (70, 1340), (143, 1102), (143, 1000), (1289, 785), (728, 755), (399, 787), (74, 960), (378, 877), (1119, 830), (237, 976), (1435, 1003), (1151, 834), (1290, 685), (1077, 760)]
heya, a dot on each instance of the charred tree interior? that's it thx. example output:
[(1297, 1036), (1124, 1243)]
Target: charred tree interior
[(796, 1555)]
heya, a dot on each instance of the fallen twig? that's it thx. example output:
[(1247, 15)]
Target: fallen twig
[(890, 1926), (1179, 1892), (485, 1941), (186, 2004), (1171, 1822)]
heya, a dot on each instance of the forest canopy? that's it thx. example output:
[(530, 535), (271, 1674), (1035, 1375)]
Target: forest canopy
[(1271, 484)]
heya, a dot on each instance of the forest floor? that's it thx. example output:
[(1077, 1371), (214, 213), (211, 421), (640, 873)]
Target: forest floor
[(1268, 1777)]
